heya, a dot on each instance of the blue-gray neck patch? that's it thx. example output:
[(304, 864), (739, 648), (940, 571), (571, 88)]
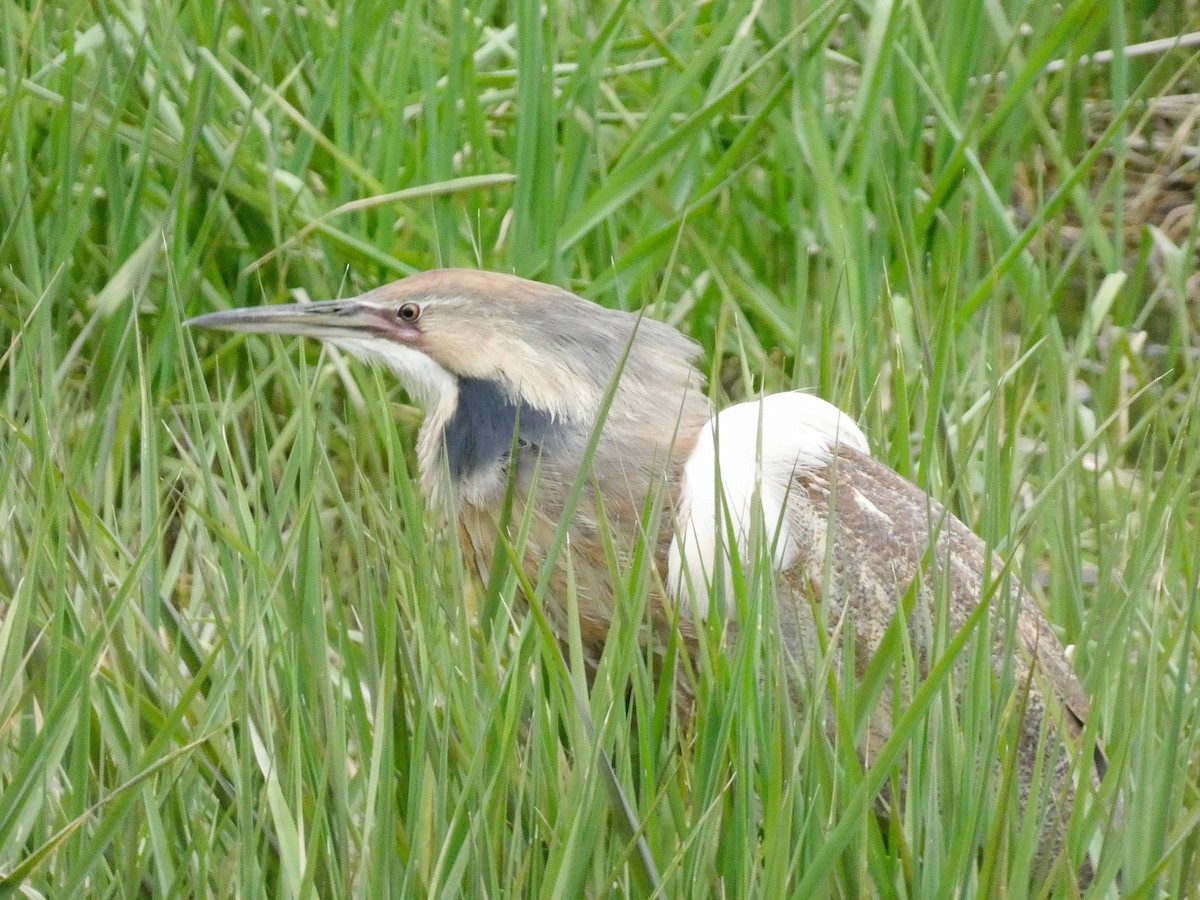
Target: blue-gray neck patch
[(480, 432)]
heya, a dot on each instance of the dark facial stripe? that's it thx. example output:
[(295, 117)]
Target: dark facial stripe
[(480, 433)]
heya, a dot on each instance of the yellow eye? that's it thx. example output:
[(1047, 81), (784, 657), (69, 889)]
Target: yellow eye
[(409, 313)]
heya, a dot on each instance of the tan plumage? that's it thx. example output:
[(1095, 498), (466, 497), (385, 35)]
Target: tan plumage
[(489, 355), (885, 534)]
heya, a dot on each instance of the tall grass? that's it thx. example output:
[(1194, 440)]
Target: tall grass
[(238, 658)]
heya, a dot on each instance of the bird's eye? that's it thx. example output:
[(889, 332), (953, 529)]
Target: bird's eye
[(409, 312)]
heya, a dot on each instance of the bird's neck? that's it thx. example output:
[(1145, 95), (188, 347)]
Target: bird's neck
[(436, 484), (632, 467), (467, 444)]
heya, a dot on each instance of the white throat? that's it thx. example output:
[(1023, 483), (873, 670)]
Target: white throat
[(435, 389)]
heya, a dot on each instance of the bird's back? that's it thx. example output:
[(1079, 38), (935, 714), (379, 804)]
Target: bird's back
[(876, 555)]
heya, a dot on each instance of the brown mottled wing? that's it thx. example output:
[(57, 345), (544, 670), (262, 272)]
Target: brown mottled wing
[(863, 536), (881, 527)]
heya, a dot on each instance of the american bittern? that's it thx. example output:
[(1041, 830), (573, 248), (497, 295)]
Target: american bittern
[(514, 375)]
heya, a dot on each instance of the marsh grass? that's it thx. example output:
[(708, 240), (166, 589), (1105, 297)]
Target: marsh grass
[(237, 656)]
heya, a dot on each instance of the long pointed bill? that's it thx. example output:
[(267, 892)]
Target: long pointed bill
[(327, 320)]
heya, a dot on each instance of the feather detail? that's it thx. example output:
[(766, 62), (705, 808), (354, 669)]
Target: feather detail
[(741, 469)]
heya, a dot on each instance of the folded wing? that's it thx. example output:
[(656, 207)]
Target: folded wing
[(851, 538)]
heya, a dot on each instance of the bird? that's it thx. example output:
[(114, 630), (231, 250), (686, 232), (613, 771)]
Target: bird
[(530, 391)]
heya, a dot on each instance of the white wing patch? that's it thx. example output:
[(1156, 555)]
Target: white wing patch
[(743, 465)]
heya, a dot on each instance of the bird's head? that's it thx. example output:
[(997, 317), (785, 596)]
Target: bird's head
[(481, 349)]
